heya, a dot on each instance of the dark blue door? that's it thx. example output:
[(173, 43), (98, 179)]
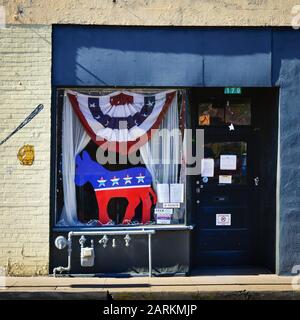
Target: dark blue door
[(225, 201)]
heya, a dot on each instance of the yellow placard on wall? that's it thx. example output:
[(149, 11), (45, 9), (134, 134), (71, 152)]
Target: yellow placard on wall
[(26, 155)]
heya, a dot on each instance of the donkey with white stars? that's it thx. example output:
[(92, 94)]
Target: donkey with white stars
[(134, 184)]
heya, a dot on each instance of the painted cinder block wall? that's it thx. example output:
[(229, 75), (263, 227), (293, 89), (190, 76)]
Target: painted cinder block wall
[(25, 81)]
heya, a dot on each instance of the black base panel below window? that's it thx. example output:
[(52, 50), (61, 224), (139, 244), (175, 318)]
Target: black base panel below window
[(170, 254)]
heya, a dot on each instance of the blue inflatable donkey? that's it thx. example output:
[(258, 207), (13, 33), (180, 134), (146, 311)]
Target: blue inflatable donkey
[(134, 184)]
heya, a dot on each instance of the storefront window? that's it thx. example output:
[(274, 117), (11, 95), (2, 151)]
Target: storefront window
[(121, 159)]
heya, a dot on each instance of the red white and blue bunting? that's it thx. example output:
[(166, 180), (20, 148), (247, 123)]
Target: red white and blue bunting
[(120, 120)]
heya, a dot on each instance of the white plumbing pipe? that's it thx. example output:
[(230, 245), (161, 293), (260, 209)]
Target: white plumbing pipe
[(149, 232)]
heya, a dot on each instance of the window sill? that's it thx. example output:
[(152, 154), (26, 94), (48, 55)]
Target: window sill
[(179, 227)]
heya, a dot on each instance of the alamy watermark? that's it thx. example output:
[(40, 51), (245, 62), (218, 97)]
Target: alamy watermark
[(2, 17), (296, 17), (2, 278), (166, 147), (296, 279)]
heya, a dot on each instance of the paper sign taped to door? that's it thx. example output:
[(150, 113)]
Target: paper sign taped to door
[(225, 179), (163, 211), (223, 219), (228, 162), (176, 192), (207, 167), (163, 192), (173, 205), (163, 218)]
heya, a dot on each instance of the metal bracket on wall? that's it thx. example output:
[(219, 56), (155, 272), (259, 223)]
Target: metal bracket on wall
[(36, 111)]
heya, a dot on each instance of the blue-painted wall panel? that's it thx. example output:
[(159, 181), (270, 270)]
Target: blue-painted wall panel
[(126, 57), (286, 73), (103, 56), (107, 56), (237, 57)]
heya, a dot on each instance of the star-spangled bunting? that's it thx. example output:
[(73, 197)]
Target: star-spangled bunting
[(121, 120)]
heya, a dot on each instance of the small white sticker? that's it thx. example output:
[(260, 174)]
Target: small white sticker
[(204, 179), (163, 218), (223, 219), (231, 127), (163, 211), (171, 205), (225, 179)]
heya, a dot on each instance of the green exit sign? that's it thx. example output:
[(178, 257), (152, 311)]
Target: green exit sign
[(233, 90)]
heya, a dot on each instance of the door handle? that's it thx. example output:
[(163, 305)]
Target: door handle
[(256, 181)]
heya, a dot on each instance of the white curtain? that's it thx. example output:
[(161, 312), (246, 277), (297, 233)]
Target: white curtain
[(162, 154), (74, 140)]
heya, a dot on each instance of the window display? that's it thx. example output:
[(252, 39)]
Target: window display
[(121, 159)]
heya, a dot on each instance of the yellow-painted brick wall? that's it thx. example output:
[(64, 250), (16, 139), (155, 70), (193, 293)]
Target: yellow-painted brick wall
[(153, 12), (25, 81)]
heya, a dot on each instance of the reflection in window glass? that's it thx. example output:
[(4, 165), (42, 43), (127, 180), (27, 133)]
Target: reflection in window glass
[(238, 113), (215, 150), (210, 114), (235, 111)]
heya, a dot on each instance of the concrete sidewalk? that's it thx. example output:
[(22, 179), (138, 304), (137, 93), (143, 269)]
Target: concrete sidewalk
[(194, 287)]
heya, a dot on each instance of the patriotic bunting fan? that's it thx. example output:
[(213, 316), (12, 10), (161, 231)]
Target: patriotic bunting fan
[(120, 120)]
